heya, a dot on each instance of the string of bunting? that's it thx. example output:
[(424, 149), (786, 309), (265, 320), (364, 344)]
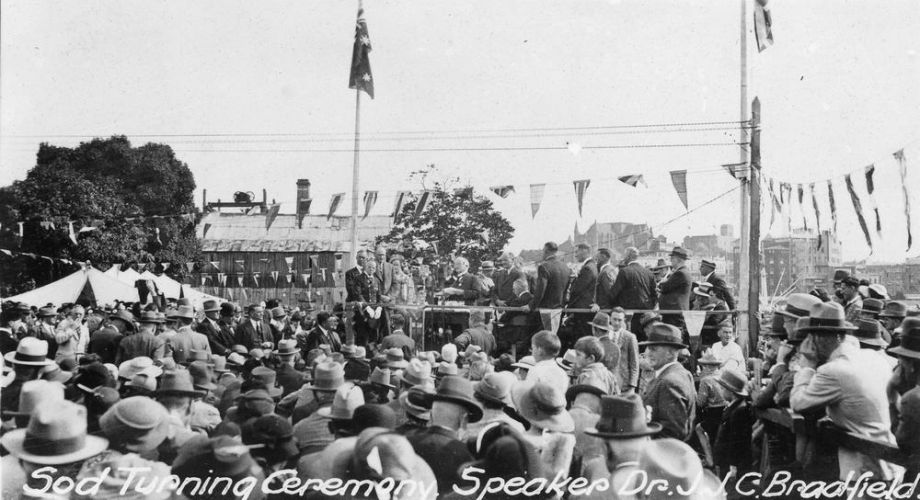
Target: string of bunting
[(780, 199), (94, 223)]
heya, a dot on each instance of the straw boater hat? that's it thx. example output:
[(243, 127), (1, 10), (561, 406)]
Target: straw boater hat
[(827, 318), (664, 334), (286, 347), (525, 363), (456, 390), (543, 405), (623, 417), (56, 435), (910, 339), (29, 352), (708, 358), (567, 361), (703, 289)]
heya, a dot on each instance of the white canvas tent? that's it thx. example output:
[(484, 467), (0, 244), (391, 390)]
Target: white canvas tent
[(90, 283)]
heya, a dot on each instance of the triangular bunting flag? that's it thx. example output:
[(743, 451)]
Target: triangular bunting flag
[(203, 279), (679, 179), (20, 228), (550, 319), (190, 266), (502, 191), (204, 230), (857, 206), (902, 167), (370, 199), (222, 279), (239, 280), (801, 191), (833, 203), (870, 188), (763, 23), (314, 261), (215, 264), (305, 278), (397, 209), (580, 188), (632, 180), (323, 271), (288, 276), (255, 278), (484, 234), (814, 203), (694, 321), (536, 198), (275, 276), (271, 215), (736, 170), (70, 233), (165, 266), (422, 203), (241, 263), (230, 294), (334, 204)]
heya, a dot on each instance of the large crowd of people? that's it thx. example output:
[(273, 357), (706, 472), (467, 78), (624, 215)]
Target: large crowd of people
[(226, 401)]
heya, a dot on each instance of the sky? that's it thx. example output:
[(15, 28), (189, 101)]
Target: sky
[(254, 95)]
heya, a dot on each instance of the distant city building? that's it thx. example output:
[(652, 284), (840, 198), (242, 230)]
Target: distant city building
[(801, 261), (712, 244)]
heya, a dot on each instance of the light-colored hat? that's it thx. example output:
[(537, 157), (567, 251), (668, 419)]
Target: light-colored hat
[(211, 305), (381, 376), (33, 394), (347, 397), (525, 363), (31, 352), (137, 424), (128, 369), (56, 435), (798, 305), (623, 417), (417, 372), (278, 313), (543, 405), (395, 358), (449, 353), (827, 317), (495, 387), (327, 377)]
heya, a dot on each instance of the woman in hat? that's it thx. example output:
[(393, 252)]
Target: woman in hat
[(542, 404)]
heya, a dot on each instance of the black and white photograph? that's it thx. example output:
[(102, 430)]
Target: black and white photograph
[(419, 250)]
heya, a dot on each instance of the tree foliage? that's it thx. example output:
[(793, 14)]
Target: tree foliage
[(107, 184), (454, 221)]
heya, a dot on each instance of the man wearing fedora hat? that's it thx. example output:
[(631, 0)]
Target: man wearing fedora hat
[(908, 428), (493, 393), (144, 342), (671, 394), (452, 406), (675, 291), (44, 329), (837, 375), (30, 356), (623, 427), (213, 326)]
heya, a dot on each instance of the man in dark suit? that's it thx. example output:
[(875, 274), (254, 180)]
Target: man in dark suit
[(466, 286), (226, 337), (606, 277), (634, 288), (356, 282), (675, 291), (719, 287), (253, 332), (511, 327), (671, 394), (210, 328), (581, 296), (323, 333), (549, 287)]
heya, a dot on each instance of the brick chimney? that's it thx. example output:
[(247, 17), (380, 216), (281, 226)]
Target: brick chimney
[(303, 200)]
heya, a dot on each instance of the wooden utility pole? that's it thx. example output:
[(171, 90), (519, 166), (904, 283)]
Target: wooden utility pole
[(745, 200), (753, 278)]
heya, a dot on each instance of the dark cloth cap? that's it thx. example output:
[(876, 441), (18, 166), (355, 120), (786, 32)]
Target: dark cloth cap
[(373, 415)]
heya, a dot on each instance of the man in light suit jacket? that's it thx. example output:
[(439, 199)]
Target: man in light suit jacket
[(834, 373), (581, 296), (384, 270), (671, 394), (675, 291), (185, 340)]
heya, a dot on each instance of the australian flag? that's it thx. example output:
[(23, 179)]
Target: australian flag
[(360, 77)]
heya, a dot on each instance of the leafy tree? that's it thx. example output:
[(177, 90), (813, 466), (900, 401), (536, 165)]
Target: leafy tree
[(122, 191), (455, 220)]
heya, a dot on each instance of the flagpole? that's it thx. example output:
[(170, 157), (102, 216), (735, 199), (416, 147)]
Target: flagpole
[(354, 176)]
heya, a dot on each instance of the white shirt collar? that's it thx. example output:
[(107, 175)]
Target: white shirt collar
[(707, 276), (661, 370)]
